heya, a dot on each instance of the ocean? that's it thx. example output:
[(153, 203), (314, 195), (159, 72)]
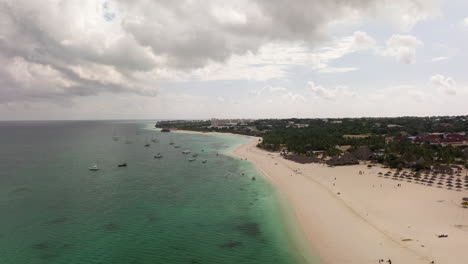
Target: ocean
[(168, 210)]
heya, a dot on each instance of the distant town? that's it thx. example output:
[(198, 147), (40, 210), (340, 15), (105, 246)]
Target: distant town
[(419, 143)]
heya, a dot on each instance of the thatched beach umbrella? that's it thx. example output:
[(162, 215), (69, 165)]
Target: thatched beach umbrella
[(441, 183), (449, 185)]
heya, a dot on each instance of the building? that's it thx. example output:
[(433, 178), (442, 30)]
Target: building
[(220, 123), (444, 139)]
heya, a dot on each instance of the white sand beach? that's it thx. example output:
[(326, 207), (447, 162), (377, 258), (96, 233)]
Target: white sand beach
[(351, 218), (371, 218)]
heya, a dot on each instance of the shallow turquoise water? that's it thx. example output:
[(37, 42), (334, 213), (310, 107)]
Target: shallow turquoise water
[(53, 210)]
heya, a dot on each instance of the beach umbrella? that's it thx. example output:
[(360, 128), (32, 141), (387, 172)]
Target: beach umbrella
[(466, 185), (458, 180), (430, 181), (380, 173), (441, 183), (449, 185), (465, 199)]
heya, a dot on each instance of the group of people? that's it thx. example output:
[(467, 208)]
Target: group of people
[(382, 261)]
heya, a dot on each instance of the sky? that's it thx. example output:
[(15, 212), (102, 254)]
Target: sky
[(188, 59)]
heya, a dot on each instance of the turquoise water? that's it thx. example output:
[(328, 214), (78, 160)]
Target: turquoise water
[(169, 210)]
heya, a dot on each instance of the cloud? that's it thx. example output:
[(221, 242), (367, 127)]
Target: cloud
[(444, 84), (402, 47), (90, 47), (294, 97), (330, 93), (359, 41), (465, 22), (442, 58), (269, 89)]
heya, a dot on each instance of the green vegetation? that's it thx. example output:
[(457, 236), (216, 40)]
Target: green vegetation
[(386, 138)]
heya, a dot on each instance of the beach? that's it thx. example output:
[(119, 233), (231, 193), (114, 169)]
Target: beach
[(348, 217)]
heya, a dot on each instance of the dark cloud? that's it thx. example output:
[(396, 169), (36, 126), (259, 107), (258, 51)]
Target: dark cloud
[(64, 49)]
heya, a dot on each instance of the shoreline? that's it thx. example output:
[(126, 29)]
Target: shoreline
[(346, 217), (296, 236)]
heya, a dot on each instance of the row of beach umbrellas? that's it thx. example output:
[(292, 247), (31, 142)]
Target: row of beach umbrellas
[(435, 178)]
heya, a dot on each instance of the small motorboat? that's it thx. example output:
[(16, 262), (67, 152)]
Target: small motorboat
[(186, 151), (204, 161), (158, 156), (147, 145), (195, 155), (191, 159), (94, 168), (176, 146), (122, 164)]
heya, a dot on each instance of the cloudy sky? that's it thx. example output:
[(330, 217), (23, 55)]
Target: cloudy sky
[(156, 59)]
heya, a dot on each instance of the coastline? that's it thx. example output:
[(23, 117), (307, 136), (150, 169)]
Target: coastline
[(351, 218)]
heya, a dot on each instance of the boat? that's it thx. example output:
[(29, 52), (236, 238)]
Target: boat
[(158, 156), (94, 168), (165, 130), (186, 151), (115, 137), (204, 161), (195, 155), (191, 159), (122, 164), (147, 145), (176, 146), (153, 139)]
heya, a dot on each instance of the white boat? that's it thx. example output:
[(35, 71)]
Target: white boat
[(191, 159), (204, 161), (186, 151), (158, 156), (195, 155), (94, 168)]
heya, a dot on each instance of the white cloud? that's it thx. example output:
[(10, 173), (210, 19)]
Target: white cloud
[(404, 14), (442, 58), (330, 93), (465, 22), (444, 84), (402, 47), (294, 97)]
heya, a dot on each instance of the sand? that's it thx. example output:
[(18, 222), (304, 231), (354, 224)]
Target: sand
[(351, 218)]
